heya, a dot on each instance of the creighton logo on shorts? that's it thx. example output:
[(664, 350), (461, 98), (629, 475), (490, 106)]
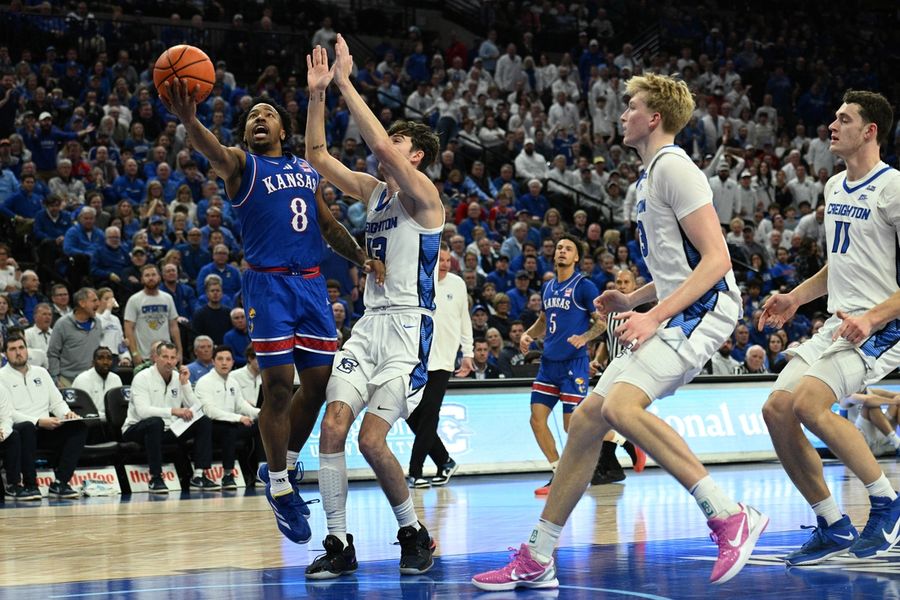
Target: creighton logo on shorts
[(347, 365)]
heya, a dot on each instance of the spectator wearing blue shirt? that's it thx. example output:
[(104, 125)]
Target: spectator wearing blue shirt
[(156, 234), (81, 242), (214, 223), (9, 184), (507, 177), (518, 295), (157, 157), (533, 200), (472, 220), (336, 268), (231, 277), (500, 276), (203, 364), (184, 295), (25, 203), (44, 143), (512, 246), (194, 256), (29, 296), (238, 338), (110, 261), (129, 185)]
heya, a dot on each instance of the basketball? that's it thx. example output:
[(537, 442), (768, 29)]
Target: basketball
[(188, 63)]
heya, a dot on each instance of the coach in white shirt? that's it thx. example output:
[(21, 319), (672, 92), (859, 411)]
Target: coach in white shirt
[(233, 418), (248, 377), (42, 418), (99, 379), (159, 396), (452, 329)]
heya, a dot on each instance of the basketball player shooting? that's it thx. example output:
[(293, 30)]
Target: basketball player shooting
[(283, 218)]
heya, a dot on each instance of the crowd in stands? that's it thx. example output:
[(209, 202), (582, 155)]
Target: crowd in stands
[(108, 215)]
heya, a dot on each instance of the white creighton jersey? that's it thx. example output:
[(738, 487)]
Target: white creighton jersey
[(862, 219), (671, 188), (409, 253)]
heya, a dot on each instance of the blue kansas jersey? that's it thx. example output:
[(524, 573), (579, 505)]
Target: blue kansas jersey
[(568, 306), (276, 208)]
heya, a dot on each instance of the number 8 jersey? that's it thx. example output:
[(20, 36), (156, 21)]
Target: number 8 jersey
[(409, 253), (862, 219), (276, 207)]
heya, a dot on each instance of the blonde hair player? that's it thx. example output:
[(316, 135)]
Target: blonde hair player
[(699, 304)]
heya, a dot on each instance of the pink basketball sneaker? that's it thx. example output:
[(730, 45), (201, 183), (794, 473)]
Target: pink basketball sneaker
[(736, 537), (522, 571)]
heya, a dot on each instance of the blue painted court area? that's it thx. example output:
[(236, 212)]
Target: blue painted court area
[(665, 569)]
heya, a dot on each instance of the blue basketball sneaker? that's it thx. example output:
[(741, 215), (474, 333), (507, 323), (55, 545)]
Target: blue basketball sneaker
[(295, 476), (882, 532), (826, 541), (288, 516)]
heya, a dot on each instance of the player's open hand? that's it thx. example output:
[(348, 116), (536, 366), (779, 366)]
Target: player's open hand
[(318, 75), (777, 310), (636, 328), (180, 99), (611, 301), (343, 62), (375, 268), (853, 329)]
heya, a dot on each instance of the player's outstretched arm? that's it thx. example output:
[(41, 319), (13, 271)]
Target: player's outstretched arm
[(352, 183), (413, 182), (228, 162)]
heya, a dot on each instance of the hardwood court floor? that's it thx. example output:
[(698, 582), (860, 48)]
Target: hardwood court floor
[(644, 538)]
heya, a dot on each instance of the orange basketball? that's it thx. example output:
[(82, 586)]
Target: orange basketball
[(188, 63)]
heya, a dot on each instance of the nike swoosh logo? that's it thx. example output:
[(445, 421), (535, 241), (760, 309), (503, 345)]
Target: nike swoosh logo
[(379, 407), (408, 326), (849, 537), (891, 537), (737, 540)]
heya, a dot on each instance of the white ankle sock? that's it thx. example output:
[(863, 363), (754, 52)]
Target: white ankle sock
[(198, 472), (828, 510), (543, 540), (333, 489), (554, 465), (894, 440), (712, 500), (881, 488), (406, 514), (279, 483), (292, 459), (618, 439)]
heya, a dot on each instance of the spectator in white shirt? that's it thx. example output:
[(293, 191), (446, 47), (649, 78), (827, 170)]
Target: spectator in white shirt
[(509, 69), (563, 114), (725, 193), (802, 187), (42, 418), (37, 337), (233, 418), (529, 164), (160, 395), (11, 448), (248, 377), (452, 333), (99, 379), (819, 155)]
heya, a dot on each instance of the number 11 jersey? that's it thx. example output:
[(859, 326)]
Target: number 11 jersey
[(862, 220)]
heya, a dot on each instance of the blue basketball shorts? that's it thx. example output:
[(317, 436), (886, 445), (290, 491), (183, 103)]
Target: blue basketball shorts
[(565, 380), (290, 319)]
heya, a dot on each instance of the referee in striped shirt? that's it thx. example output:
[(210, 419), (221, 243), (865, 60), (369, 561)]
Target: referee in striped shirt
[(608, 468)]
